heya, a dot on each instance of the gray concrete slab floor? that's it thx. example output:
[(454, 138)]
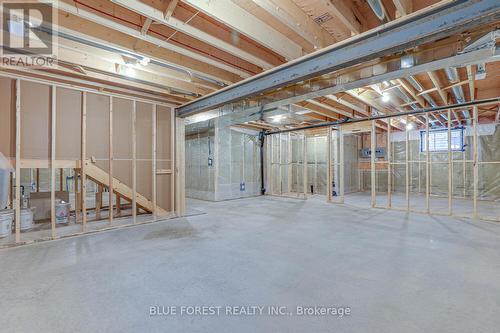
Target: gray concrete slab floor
[(397, 272)]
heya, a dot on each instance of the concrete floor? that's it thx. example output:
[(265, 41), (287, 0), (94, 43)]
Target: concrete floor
[(397, 272)]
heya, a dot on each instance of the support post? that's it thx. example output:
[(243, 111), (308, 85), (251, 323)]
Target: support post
[(52, 161), (450, 167), (279, 163), (329, 187), (180, 167), (110, 193), (37, 179), (389, 161), (83, 166), (427, 165), (269, 163), (475, 158), (172, 159), (98, 202), (61, 178), (153, 161), (77, 194), (134, 161), (18, 161), (289, 164), (373, 181), (407, 178), (304, 159), (341, 164)]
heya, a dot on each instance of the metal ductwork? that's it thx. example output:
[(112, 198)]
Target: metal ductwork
[(401, 94), (415, 83), (458, 92), (378, 9), (419, 88)]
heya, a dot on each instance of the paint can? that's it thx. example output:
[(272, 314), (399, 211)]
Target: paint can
[(26, 219), (6, 218), (62, 212)]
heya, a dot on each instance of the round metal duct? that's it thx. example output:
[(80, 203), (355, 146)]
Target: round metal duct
[(378, 8)]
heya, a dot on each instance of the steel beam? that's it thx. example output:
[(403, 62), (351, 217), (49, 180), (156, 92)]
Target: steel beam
[(438, 22)]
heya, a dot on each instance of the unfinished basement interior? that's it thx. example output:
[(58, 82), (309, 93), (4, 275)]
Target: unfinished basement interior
[(250, 166)]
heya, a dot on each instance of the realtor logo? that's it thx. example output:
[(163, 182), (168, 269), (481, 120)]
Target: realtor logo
[(28, 34)]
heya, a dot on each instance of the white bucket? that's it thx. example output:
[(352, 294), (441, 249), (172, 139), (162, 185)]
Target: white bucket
[(26, 219), (62, 212), (6, 218)]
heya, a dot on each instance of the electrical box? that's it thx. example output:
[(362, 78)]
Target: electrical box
[(210, 161), (367, 153), (242, 187)]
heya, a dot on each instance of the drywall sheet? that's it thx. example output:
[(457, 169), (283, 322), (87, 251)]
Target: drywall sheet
[(164, 134), (144, 178), (122, 129), (122, 170), (163, 192), (8, 117), (97, 126), (144, 121), (68, 124), (35, 121)]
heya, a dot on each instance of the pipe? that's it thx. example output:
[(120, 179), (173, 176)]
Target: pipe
[(139, 26), (130, 54), (458, 92), (409, 113), (262, 137), (378, 9)]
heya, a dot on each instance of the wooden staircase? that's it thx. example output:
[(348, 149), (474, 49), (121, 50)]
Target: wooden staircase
[(101, 177)]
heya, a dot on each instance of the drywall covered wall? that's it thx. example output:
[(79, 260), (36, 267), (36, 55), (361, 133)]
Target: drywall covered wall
[(238, 162), (200, 157), (222, 162)]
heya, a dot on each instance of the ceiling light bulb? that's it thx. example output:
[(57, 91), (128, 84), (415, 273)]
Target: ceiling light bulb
[(144, 61), (410, 126), (277, 118), (385, 97), (129, 71)]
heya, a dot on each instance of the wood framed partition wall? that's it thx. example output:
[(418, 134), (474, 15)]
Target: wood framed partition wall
[(126, 148), (408, 172)]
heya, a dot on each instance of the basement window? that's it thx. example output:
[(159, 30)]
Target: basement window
[(438, 140)]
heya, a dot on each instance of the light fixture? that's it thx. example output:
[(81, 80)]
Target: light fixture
[(407, 61), (385, 97), (144, 61), (129, 71), (410, 126), (277, 118)]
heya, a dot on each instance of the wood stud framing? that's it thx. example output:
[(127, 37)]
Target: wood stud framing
[(79, 166), (329, 177), (153, 160), (389, 167), (83, 161), (475, 159), (427, 165), (18, 162), (110, 185), (373, 147), (53, 102), (134, 162), (335, 160)]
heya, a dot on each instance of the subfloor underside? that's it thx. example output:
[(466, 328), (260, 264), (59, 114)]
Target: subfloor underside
[(397, 272)]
